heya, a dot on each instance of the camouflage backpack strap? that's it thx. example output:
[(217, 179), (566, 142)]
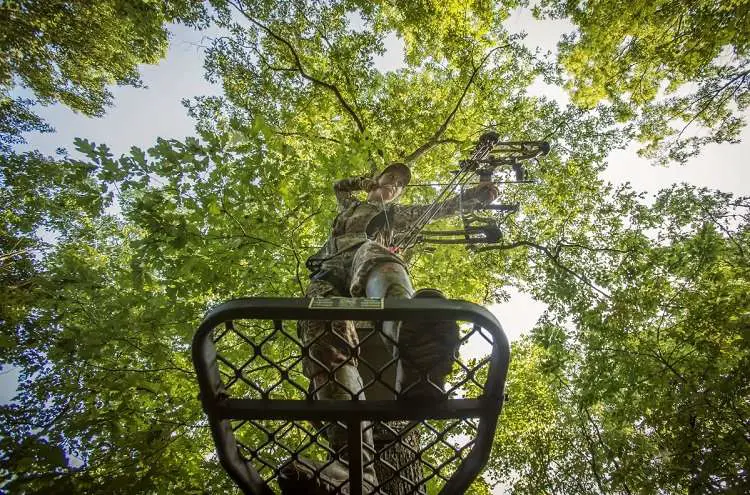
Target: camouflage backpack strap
[(315, 262)]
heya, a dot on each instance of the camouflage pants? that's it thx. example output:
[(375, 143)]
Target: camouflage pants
[(425, 352), (332, 347), (333, 344), (330, 344)]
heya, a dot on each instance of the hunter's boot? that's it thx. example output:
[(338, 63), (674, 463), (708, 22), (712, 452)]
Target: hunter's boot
[(427, 351), (306, 476)]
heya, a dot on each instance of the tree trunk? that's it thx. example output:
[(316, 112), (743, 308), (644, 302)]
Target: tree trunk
[(398, 468)]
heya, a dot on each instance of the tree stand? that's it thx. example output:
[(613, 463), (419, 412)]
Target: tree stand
[(262, 417)]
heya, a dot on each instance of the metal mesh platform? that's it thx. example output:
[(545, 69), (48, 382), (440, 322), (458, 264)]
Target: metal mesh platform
[(248, 359)]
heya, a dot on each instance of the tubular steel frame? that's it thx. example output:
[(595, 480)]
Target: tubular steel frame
[(221, 408)]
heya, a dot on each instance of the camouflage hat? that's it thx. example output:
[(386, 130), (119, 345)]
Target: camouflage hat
[(399, 170)]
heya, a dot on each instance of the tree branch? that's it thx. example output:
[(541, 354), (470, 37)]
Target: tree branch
[(27, 478), (552, 256), (142, 370), (711, 97), (300, 68), (606, 447), (226, 211), (435, 138), (310, 137)]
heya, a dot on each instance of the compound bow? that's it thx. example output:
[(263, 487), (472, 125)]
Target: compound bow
[(489, 155)]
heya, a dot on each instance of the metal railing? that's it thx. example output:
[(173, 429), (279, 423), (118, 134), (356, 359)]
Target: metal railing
[(262, 415)]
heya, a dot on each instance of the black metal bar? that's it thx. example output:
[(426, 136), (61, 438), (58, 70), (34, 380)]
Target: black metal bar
[(204, 351), (354, 430), (477, 458), (229, 457), (262, 308), (336, 410)]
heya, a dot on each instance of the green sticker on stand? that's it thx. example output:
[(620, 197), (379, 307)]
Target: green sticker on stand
[(345, 303)]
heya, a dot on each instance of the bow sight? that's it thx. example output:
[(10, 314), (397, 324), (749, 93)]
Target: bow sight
[(510, 154)]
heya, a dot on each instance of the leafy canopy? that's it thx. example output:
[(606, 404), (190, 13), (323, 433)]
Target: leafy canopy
[(672, 65), (71, 52), (632, 381)]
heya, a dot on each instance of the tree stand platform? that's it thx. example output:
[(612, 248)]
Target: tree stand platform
[(262, 415)]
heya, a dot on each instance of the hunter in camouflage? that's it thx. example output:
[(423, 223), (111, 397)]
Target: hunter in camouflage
[(360, 260)]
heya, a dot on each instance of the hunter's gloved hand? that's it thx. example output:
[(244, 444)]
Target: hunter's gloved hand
[(488, 191), (368, 183)]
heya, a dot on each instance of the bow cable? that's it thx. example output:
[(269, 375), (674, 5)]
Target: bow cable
[(461, 178)]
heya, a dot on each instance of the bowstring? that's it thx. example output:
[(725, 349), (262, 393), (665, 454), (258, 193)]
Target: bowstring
[(461, 184), (434, 208), (389, 232), (410, 237)]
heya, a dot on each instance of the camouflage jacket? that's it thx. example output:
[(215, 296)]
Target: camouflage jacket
[(358, 221), (382, 222)]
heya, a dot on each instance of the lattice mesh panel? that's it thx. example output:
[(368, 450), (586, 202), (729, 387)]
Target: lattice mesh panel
[(263, 360)]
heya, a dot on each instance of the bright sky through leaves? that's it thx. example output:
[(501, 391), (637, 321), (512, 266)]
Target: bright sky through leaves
[(628, 307)]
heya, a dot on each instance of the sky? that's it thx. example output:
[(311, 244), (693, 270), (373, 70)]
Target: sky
[(141, 115)]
